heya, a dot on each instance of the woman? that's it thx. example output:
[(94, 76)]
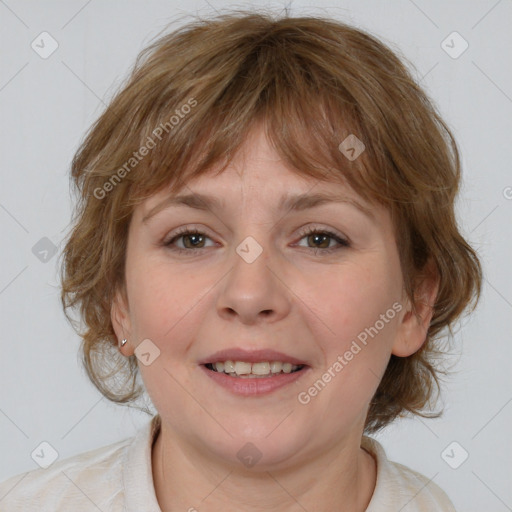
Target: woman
[(266, 236)]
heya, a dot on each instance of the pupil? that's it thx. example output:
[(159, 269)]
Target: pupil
[(315, 237), (194, 237)]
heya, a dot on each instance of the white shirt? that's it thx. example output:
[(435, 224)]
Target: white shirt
[(119, 477)]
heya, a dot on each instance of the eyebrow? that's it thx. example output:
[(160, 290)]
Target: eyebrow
[(296, 202)]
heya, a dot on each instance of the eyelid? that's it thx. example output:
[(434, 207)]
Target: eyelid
[(342, 241), (184, 230), (302, 231), (334, 233)]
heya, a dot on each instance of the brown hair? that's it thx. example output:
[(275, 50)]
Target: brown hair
[(190, 101)]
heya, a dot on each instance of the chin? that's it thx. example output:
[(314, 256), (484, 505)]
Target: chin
[(259, 448)]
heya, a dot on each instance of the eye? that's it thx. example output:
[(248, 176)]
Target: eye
[(195, 239), (319, 236)]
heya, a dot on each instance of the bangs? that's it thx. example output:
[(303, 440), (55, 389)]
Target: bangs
[(306, 114)]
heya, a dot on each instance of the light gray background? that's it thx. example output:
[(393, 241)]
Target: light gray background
[(46, 106)]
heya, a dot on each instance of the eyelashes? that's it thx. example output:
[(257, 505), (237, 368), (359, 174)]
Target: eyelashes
[(315, 235), (325, 233)]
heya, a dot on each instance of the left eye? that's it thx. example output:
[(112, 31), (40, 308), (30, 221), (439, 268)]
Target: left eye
[(196, 240), (194, 236)]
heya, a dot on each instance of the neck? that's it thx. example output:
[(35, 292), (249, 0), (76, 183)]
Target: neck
[(341, 479)]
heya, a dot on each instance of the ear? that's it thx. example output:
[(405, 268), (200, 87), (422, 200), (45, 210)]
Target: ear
[(415, 322), (120, 317)]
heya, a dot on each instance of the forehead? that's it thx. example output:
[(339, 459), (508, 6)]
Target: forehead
[(275, 191), (258, 174)]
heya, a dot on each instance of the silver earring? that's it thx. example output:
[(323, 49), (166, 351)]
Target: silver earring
[(123, 342)]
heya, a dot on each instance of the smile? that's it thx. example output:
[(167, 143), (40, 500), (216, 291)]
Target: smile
[(253, 370), (253, 384)]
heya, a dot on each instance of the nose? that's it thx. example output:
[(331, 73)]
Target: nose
[(255, 291)]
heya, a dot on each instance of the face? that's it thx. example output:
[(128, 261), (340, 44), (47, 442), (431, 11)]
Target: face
[(319, 285)]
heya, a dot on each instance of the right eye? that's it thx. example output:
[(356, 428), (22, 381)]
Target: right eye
[(194, 238)]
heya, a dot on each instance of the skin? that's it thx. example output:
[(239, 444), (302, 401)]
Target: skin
[(292, 299)]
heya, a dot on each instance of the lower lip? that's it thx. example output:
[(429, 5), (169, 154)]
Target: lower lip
[(253, 386)]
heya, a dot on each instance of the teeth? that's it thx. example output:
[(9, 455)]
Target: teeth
[(242, 368), (276, 367), (287, 367), (229, 367), (263, 368)]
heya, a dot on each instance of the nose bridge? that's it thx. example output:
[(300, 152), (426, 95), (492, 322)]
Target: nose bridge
[(252, 289), (255, 230)]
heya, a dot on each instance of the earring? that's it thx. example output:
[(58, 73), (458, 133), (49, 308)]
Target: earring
[(123, 342)]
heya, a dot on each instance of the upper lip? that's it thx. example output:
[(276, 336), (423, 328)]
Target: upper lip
[(250, 356)]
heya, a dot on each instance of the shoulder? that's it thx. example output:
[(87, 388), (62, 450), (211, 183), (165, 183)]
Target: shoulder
[(401, 488), (88, 481)]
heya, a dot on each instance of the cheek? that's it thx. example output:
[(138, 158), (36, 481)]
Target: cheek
[(362, 325), (352, 299), (161, 297)]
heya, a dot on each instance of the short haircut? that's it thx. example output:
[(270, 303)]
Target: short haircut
[(188, 105)]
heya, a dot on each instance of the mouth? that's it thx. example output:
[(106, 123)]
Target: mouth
[(258, 370), (251, 373)]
